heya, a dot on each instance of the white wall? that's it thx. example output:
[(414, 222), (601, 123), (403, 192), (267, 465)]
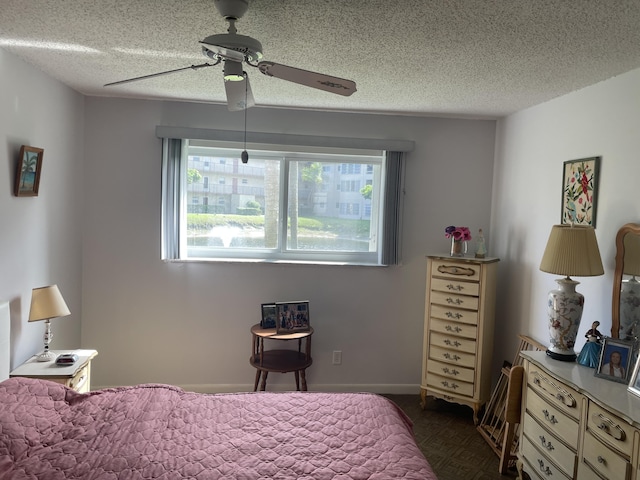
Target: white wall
[(40, 237), (188, 324), (531, 146)]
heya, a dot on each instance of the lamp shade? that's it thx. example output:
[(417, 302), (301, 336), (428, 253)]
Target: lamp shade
[(46, 303), (572, 250)]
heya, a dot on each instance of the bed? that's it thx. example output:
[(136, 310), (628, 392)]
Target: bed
[(159, 431)]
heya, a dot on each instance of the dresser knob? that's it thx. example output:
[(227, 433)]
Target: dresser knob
[(550, 418), (546, 470), (546, 444), (601, 460)]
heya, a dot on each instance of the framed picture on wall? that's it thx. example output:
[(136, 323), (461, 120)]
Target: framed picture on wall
[(28, 169), (292, 317), (615, 360), (580, 191)]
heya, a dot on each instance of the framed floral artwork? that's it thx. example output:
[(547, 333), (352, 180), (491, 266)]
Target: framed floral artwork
[(27, 180), (580, 191)]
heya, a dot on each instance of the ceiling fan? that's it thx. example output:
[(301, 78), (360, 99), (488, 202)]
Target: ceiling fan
[(233, 50)]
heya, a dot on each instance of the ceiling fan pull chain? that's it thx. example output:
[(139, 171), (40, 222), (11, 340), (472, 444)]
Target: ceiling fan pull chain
[(245, 155)]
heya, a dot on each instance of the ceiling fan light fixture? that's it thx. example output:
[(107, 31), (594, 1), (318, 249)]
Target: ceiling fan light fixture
[(233, 71)]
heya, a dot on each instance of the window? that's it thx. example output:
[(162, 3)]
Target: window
[(277, 207)]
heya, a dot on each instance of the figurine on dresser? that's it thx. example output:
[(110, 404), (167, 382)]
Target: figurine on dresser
[(590, 353)]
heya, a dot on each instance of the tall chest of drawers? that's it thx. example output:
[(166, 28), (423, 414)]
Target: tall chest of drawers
[(458, 330), (576, 425)]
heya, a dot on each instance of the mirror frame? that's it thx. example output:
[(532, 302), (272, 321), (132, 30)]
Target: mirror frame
[(633, 228)]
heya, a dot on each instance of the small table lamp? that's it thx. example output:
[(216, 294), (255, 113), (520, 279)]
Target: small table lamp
[(47, 303), (572, 250)]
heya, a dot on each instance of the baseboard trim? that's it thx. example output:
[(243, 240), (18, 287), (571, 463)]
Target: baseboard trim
[(391, 389)]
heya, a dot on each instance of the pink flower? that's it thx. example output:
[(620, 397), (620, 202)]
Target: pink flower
[(458, 233)]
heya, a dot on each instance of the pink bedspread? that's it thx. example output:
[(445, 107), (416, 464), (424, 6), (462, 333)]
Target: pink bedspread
[(157, 431)]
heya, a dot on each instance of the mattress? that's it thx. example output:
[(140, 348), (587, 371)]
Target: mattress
[(163, 432)]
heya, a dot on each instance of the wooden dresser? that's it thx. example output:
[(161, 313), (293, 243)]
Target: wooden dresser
[(576, 425), (458, 330)]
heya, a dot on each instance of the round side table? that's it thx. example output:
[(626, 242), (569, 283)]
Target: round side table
[(280, 360)]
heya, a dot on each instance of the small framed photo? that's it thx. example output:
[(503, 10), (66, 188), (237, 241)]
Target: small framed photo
[(292, 317), (615, 360), (580, 191), (28, 172), (634, 382), (269, 315)]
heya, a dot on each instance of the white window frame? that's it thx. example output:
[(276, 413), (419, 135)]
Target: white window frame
[(173, 183)]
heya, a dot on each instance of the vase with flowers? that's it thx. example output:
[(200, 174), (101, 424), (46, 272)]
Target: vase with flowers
[(459, 237)]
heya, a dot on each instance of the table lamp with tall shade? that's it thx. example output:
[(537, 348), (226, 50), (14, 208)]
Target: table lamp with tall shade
[(572, 250), (47, 303)]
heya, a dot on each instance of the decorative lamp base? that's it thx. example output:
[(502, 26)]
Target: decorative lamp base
[(565, 311), (46, 356)]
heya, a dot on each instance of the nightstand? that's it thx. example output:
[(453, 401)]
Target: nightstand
[(76, 376), (265, 361)]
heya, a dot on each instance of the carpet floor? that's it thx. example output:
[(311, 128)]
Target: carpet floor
[(450, 441)]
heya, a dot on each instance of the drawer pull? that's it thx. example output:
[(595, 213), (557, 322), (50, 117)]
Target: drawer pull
[(601, 460), (546, 470), (609, 427), (448, 356), (545, 444), (455, 315), (452, 372), (455, 343), (553, 390), (550, 418), (455, 301), (450, 385), (455, 288), (456, 329), (452, 270)]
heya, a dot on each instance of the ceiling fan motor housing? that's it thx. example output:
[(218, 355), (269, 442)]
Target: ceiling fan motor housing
[(231, 8), (249, 47)]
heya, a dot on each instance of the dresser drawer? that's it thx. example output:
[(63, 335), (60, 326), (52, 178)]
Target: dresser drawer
[(450, 385), (585, 472), (455, 286), (452, 342), (456, 270), (456, 358), (453, 300), (604, 460), (80, 381), (557, 451), (556, 393), (455, 314), (449, 327), (539, 464), (451, 371), (610, 429), (553, 419)]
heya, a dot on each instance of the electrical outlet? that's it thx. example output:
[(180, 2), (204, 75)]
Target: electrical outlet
[(337, 357)]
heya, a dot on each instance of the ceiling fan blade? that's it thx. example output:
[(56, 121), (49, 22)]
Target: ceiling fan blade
[(320, 81), (135, 79), (222, 52), (239, 95)]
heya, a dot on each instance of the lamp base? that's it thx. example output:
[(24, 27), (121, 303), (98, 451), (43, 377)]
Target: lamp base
[(46, 356), (565, 311), (563, 358)]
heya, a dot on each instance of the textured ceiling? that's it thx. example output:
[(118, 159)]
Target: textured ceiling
[(472, 58)]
